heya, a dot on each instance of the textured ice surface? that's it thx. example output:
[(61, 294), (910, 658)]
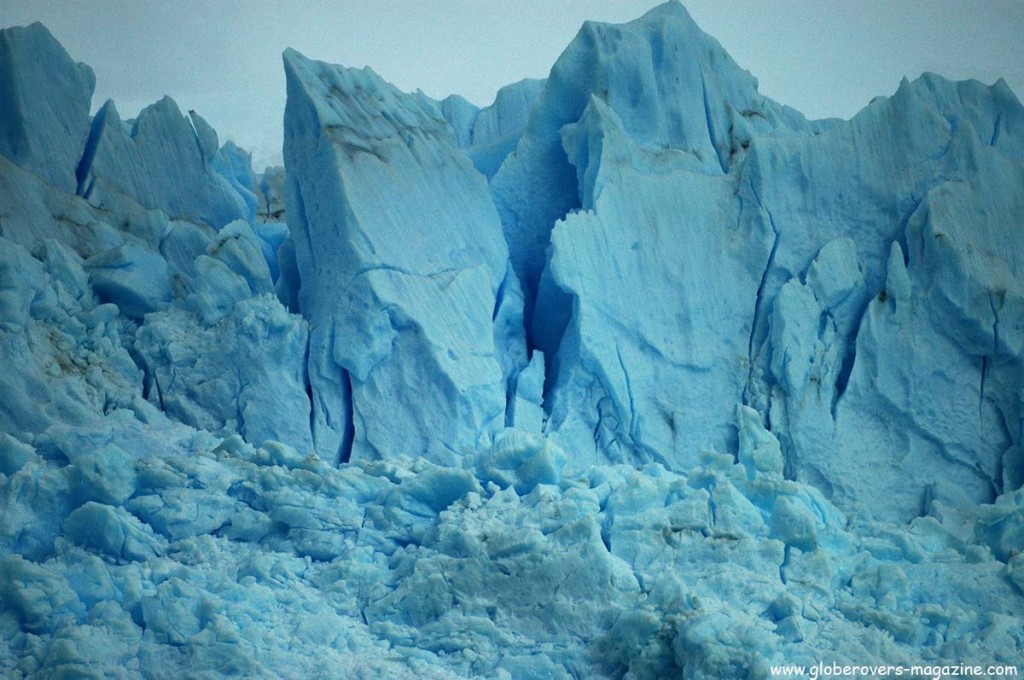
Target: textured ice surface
[(632, 373)]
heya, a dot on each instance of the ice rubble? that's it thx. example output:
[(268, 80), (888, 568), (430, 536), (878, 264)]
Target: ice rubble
[(633, 373)]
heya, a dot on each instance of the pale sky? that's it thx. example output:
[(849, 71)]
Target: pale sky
[(223, 57)]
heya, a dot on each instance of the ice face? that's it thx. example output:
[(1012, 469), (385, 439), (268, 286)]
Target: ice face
[(632, 373), (404, 272)]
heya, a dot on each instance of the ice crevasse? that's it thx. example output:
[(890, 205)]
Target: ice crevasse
[(633, 373)]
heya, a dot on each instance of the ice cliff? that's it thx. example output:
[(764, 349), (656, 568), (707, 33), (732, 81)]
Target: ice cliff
[(632, 373)]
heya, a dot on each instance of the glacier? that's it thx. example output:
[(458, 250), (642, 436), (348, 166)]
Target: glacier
[(633, 373)]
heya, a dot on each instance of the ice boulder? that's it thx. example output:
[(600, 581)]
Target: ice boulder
[(112, 532), (522, 461), (134, 278)]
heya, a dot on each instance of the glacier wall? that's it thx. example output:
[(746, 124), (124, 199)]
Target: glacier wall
[(632, 373), (683, 245)]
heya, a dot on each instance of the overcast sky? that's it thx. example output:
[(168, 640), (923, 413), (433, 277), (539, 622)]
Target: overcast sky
[(223, 57)]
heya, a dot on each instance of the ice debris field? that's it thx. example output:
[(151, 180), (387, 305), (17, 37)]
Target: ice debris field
[(632, 373)]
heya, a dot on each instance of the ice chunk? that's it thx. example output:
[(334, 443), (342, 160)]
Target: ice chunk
[(22, 280), (498, 127), (165, 161), (794, 524), (272, 236), (181, 244), (105, 474), (416, 282), (507, 116), (242, 373), (235, 165), (239, 248), (522, 461), (135, 279), (658, 380), (13, 454), (112, 532), (41, 599), (460, 114), (759, 450), (270, 194), (527, 412), (45, 99)]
